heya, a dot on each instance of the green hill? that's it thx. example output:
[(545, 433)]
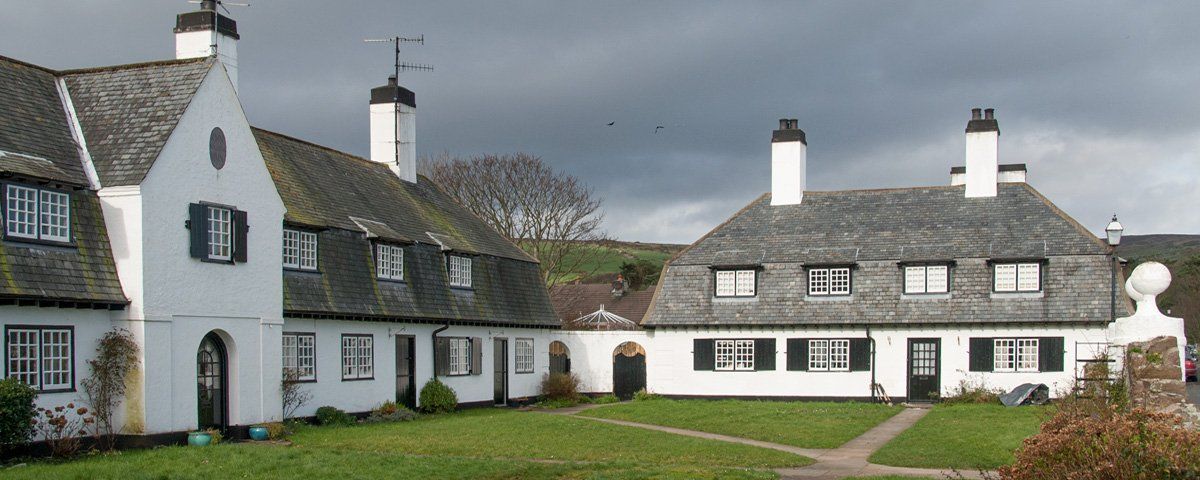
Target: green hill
[(604, 259)]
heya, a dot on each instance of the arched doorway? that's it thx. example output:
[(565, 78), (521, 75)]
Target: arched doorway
[(560, 357), (629, 370), (212, 383)]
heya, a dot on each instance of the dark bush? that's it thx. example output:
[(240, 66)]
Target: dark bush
[(333, 416), (560, 387), (1114, 444), (17, 413), (437, 397), (390, 411)]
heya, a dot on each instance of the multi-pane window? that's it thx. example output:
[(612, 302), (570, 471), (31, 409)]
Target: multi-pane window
[(358, 357), (460, 356), (299, 355), (1017, 277), (524, 355), (829, 355), (927, 279), (1015, 355), (37, 214), (389, 262), (734, 355), (829, 281), (735, 283), (41, 357), (299, 250), (459, 268), (220, 233)]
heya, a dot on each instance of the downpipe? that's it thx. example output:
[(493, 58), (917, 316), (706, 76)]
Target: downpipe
[(871, 341)]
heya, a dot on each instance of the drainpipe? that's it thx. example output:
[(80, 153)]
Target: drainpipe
[(433, 339), (872, 342)]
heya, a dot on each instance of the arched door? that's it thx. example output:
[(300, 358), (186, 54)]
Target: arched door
[(212, 383), (629, 370), (560, 357)]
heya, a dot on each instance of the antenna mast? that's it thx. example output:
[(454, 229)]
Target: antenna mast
[(398, 67)]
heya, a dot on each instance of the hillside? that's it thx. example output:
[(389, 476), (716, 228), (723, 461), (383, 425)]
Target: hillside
[(1181, 254), (605, 259)]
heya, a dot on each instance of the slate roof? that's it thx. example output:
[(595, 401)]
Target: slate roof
[(127, 112), (349, 200), (875, 230), (576, 300), (35, 139)]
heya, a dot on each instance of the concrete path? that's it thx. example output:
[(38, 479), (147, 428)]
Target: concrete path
[(847, 460)]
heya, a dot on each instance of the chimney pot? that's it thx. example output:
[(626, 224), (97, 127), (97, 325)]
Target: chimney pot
[(988, 113), (783, 124), (391, 80), (975, 113)]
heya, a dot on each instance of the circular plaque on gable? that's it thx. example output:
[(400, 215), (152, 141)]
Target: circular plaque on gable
[(216, 148)]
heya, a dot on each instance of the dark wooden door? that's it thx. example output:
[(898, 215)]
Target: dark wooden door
[(500, 370), (406, 374), (924, 364), (629, 375), (211, 384), (560, 363)]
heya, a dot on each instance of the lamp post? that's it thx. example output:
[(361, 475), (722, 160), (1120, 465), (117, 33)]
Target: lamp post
[(1113, 231)]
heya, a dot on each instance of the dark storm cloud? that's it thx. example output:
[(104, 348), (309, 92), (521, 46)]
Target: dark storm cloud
[(1098, 98)]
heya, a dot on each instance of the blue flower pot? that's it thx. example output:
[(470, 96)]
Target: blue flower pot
[(258, 433), (199, 439)]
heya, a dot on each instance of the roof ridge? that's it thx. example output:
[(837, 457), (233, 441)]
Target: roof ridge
[(131, 66), (1069, 219), (881, 190), (310, 143), (27, 64)]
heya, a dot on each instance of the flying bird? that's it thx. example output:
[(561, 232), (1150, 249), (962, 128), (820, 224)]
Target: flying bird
[(611, 123), (656, 129)]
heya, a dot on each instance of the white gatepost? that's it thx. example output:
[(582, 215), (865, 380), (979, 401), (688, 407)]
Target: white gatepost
[(1147, 323)]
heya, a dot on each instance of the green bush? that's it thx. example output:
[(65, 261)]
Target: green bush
[(560, 387), (610, 398), (436, 397), (970, 392), (16, 413), (334, 416), (390, 411), (642, 395)]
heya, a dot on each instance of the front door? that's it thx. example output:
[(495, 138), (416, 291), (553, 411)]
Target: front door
[(406, 375), (211, 383), (924, 381), (500, 370), (629, 370)]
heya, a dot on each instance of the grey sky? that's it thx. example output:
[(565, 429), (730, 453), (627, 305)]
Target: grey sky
[(1099, 99)]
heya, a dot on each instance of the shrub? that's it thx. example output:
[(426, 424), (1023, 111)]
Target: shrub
[(642, 395), (292, 395), (610, 398), (334, 416), (1137, 444), (116, 357), (972, 392), (437, 397), (17, 413), (390, 411), (62, 427), (278, 431), (214, 435), (560, 386)]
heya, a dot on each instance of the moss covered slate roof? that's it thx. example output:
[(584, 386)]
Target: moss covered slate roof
[(35, 139)]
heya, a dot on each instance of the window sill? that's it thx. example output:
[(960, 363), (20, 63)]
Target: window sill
[(302, 270), (37, 242), (458, 287), (924, 296), (455, 375), (735, 299), (357, 379), (313, 380), (217, 261), (57, 390), (1018, 295), (398, 281), (829, 298), (523, 373)]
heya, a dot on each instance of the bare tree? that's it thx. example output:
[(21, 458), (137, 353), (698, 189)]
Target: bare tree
[(551, 215)]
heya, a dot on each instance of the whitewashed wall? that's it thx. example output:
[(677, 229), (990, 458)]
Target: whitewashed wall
[(591, 354), (363, 395), (670, 370)]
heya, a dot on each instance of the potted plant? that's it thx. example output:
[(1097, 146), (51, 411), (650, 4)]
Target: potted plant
[(199, 438), (259, 433)]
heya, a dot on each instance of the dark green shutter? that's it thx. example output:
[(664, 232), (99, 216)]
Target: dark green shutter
[(1050, 354), (198, 230), (797, 354), (764, 354), (441, 356), (476, 356), (241, 230), (702, 354), (860, 354), (982, 350)]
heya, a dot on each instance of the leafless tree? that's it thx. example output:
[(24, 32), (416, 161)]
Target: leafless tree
[(551, 215)]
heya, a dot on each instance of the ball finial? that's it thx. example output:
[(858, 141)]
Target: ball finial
[(1150, 278)]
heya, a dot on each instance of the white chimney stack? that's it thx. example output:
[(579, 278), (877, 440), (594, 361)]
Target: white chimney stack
[(789, 157), (394, 129), (983, 143), (205, 33)]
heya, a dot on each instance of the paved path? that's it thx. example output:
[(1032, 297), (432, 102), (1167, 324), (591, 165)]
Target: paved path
[(849, 459), (1193, 392)]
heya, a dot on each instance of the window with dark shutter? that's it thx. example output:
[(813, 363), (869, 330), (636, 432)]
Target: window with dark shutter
[(797, 354), (982, 350), (476, 356), (241, 230), (764, 354), (702, 354), (198, 230), (1050, 354), (860, 354), (441, 354)]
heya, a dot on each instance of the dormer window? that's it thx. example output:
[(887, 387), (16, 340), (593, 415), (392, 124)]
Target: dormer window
[(829, 281), (389, 262), (922, 279), (299, 250), (735, 283), (459, 271), (37, 214), (1017, 277)]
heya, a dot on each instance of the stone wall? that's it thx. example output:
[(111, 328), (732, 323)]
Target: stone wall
[(1155, 377)]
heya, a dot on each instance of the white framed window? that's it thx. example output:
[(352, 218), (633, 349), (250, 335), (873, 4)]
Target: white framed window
[(299, 249), (926, 279), (358, 357), (1027, 355), (41, 357), (220, 233), (731, 355), (524, 355), (1004, 355), (735, 283), (389, 262), (460, 356), (300, 354), (459, 268), (839, 355), (724, 353), (744, 357), (829, 281), (37, 214), (1017, 277), (818, 355)]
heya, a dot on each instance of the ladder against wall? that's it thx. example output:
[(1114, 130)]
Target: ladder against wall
[(1095, 369)]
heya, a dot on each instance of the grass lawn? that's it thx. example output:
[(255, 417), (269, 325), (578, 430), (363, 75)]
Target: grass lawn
[(963, 437), (889, 477), (800, 424), (473, 444)]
